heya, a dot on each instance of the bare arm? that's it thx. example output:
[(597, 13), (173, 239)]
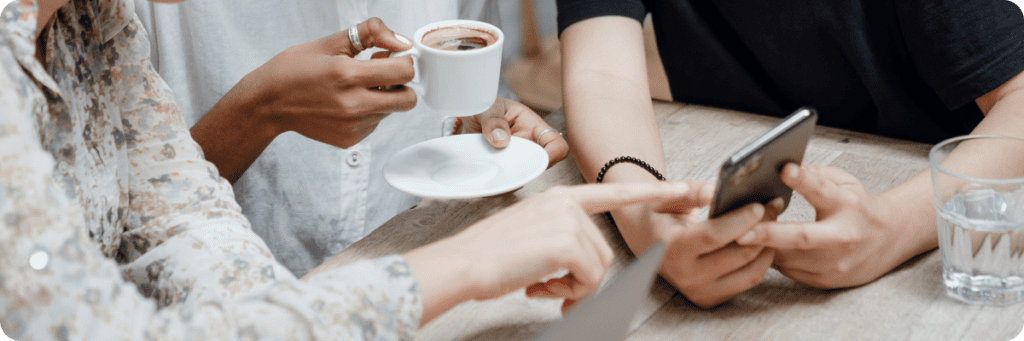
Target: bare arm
[(1002, 116), (609, 114), (858, 236), (234, 132), (608, 109), (316, 89)]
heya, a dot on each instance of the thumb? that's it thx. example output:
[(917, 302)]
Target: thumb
[(495, 126)]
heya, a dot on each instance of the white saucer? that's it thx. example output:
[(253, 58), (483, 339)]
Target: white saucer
[(464, 166)]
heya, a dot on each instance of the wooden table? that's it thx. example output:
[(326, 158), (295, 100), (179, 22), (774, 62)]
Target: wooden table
[(908, 303)]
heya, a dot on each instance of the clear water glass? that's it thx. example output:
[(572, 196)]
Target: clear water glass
[(980, 211)]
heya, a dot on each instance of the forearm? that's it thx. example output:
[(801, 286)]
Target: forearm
[(444, 278), (912, 217), (234, 132), (916, 214), (608, 109)]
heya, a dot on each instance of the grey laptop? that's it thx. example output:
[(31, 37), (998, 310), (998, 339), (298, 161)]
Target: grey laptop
[(607, 314)]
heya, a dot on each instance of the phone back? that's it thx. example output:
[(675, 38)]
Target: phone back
[(753, 173)]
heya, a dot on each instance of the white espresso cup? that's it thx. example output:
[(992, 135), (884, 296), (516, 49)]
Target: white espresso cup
[(461, 80)]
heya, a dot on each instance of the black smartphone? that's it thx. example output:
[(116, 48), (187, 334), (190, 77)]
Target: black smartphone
[(752, 174)]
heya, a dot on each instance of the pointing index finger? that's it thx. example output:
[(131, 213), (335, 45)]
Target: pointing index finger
[(598, 198)]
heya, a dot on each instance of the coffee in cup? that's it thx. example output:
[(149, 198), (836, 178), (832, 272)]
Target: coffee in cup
[(458, 38), (457, 65)]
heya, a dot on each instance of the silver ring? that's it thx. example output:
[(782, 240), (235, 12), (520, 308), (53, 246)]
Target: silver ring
[(545, 131), (353, 36)]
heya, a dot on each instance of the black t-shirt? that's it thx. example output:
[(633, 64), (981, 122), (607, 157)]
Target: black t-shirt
[(908, 69)]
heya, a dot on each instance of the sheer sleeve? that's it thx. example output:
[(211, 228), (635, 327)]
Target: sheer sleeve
[(191, 267), (187, 242)]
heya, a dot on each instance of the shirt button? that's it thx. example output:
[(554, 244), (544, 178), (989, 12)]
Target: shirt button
[(354, 158), (39, 259)]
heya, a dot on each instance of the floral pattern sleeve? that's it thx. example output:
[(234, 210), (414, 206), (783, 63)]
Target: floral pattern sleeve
[(100, 182)]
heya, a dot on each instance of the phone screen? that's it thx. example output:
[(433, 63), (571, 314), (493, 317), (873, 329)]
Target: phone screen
[(752, 174)]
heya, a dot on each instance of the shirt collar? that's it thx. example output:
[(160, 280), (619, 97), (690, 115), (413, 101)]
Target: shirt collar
[(18, 32)]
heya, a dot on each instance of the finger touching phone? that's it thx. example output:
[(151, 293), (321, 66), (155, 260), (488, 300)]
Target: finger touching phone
[(752, 174)]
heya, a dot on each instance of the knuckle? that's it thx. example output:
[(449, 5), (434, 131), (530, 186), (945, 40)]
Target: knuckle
[(563, 241), (592, 278), (753, 214), (852, 237), (606, 261), (751, 253), (291, 50), (408, 100), (703, 300), (814, 282), (754, 279), (406, 72), (343, 74), (819, 283), (707, 238), (686, 286), (571, 220), (843, 267), (803, 240), (850, 199), (346, 105), (374, 24)]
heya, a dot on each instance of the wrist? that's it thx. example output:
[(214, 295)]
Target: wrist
[(445, 279), (634, 222), (630, 172), (629, 159), (254, 99), (635, 226), (910, 220)]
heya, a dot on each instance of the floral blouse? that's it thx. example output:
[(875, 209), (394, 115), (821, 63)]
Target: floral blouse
[(114, 227)]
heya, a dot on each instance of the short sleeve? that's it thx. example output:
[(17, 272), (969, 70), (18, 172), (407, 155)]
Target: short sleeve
[(963, 49), (573, 11)]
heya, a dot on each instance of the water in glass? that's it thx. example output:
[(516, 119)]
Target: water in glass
[(981, 240)]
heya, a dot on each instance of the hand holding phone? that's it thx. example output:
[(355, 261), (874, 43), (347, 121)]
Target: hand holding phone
[(752, 174)]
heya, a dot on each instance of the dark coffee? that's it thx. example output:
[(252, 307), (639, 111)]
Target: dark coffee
[(458, 38)]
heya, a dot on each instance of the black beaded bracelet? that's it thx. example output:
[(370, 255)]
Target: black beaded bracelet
[(630, 159)]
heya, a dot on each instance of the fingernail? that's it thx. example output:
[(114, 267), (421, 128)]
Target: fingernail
[(499, 134), (401, 38), (777, 204), (759, 210), (794, 169), (747, 238)]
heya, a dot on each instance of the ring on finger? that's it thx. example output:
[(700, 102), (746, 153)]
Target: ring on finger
[(545, 131), (353, 37)]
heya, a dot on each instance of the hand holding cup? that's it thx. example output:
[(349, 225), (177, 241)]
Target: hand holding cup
[(321, 91)]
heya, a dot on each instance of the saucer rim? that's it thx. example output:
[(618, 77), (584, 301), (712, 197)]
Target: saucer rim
[(538, 152)]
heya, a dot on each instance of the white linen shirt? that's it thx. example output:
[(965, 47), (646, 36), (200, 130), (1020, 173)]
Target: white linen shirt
[(308, 200)]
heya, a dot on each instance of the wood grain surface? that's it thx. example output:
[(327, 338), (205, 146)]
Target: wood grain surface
[(909, 303)]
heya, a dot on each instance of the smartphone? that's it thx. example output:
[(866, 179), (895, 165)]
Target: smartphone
[(753, 174)]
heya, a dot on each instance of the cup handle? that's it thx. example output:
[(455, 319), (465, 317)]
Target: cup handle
[(415, 53)]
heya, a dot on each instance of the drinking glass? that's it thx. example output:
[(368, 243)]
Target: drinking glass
[(980, 211)]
